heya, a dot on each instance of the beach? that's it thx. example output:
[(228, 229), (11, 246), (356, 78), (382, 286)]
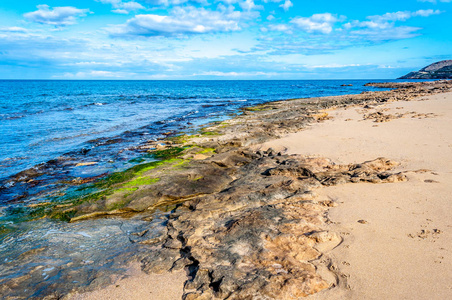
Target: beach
[(342, 197), (379, 237)]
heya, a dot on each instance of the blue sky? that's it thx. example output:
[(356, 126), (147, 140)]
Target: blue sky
[(221, 39)]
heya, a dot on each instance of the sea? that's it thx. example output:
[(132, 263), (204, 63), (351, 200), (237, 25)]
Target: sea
[(46, 123)]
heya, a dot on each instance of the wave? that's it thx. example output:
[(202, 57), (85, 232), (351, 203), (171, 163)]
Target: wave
[(95, 104)]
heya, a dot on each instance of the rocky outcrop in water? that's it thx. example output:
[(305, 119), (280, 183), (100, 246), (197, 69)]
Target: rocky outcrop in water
[(438, 70)]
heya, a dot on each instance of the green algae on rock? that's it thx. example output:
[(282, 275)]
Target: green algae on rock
[(119, 191), (119, 185)]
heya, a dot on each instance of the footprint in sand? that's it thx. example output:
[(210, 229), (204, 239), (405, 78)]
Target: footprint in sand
[(430, 181)]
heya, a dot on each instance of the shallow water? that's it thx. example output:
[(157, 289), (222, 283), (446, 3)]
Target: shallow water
[(46, 257)]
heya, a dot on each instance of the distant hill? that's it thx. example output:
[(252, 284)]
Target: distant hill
[(438, 70)]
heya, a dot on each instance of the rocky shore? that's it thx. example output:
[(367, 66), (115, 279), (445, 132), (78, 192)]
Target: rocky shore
[(244, 224), (207, 163)]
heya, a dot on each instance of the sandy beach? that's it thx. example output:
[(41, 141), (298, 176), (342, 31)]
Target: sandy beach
[(402, 247), (139, 285)]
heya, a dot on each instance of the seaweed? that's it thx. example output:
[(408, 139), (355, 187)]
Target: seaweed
[(123, 183), (258, 108), (138, 170), (5, 230), (168, 153), (142, 181), (125, 190), (210, 133), (180, 139), (64, 216), (207, 151)]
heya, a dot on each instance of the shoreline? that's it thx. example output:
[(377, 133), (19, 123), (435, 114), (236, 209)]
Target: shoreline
[(69, 171), (237, 211)]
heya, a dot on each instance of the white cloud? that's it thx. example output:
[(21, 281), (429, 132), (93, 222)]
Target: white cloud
[(274, 1), (318, 23), (382, 27), (233, 74), (13, 29), (59, 16), (177, 2), (403, 15), (387, 34), (98, 74), (250, 5), (334, 66), (279, 27), (14, 32), (94, 63), (387, 67), (286, 5), (188, 20), (334, 34), (121, 7), (427, 12)]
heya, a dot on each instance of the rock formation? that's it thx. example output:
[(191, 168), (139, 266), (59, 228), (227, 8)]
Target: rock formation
[(262, 236)]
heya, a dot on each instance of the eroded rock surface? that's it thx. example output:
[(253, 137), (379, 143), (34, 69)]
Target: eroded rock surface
[(258, 237), (202, 172)]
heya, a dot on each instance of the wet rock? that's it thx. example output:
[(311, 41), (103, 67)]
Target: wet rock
[(84, 151), (83, 164)]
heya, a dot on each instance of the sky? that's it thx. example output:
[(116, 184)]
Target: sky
[(221, 39)]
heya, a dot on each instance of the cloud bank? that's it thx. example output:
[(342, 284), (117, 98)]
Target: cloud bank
[(58, 16), (189, 20)]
